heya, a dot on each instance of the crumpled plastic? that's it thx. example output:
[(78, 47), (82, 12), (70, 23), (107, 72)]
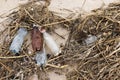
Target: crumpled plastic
[(17, 42)]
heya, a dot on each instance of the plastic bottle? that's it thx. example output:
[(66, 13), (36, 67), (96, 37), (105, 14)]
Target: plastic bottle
[(18, 41), (51, 43), (41, 57)]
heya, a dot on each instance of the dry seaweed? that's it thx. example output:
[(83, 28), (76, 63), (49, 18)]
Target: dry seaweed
[(97, 61), (101, 60)]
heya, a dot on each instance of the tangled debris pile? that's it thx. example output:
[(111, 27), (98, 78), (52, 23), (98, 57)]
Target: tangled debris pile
[(101, 60), (97, 59)]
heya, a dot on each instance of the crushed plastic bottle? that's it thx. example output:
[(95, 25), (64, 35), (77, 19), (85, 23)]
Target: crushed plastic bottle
[(18, 41), (41, 58), (51, 43)]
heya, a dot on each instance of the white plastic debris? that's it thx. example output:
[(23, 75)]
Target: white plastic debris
[(51, 43), (41, 57), (18, 41), (90, 39)]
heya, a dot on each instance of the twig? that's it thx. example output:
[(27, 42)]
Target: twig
[(55, 66), (3, 78), (27, 56), (59, 35), (30, 16), (54, 23), (5, 67), (117, 50), (113, 20), (55, 58), (99, 24), (14, 57)]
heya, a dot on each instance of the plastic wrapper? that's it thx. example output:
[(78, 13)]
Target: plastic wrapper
[(18, 40), (90, 39)]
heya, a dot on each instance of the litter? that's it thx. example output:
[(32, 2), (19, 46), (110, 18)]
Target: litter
[(41, 58), (37, 39), (51, 43), (90, 39), (17, 42)]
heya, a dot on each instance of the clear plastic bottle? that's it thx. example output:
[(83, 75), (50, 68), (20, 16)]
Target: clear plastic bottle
[(18, 41), (50, 42), (41, 57)]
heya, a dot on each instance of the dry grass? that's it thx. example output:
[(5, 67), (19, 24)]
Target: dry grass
[(97, 61)]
